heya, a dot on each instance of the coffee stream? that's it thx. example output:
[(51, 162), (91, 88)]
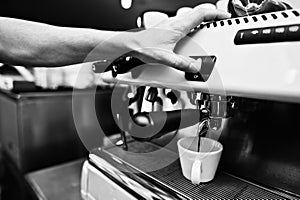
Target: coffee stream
[(201, 130)]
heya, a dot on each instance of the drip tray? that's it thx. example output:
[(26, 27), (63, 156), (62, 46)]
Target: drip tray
[(223, 186)]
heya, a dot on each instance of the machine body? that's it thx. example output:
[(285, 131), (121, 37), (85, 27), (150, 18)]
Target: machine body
[(249, 87)]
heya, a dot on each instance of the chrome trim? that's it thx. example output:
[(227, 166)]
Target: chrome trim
[(136, 182)]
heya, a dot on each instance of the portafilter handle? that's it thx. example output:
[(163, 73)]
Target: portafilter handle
[(127, 62), (121, 65)]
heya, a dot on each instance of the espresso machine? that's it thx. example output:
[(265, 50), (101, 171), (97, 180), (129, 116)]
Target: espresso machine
[(246, 95)]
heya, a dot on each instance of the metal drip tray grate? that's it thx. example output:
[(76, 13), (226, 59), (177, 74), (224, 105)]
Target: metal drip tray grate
[(223, 186)]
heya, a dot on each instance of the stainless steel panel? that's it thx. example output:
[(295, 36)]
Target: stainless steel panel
[(38, 129), (261, 144), (60, 182), (9, 127)]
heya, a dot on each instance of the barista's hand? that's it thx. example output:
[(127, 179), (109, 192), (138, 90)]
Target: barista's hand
[(157, 44)]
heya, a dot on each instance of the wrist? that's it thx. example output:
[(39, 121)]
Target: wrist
[(112, 44), (126, 42)]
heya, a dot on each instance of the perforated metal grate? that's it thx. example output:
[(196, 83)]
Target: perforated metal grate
[(222, 187)]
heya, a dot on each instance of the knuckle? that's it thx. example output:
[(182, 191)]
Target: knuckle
[(176, 61)]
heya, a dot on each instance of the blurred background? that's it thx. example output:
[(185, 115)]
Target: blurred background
[(37, 128), (99, 14)]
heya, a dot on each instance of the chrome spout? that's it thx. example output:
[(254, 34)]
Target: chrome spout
[(218, 107)]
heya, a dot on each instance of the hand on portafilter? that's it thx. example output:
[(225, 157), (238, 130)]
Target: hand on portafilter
[(156, 44)]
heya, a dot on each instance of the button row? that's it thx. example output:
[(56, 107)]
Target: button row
[(268, 35)]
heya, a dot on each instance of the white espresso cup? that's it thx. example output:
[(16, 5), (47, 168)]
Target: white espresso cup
[(199, 166)]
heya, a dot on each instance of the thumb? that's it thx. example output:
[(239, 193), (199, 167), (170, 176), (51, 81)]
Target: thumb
[(181, 62)]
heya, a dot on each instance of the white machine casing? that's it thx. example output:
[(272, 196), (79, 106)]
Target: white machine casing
[(263, 70)]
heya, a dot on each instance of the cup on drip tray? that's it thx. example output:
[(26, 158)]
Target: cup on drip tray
[(199, 166)]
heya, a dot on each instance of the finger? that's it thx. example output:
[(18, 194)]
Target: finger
[(215, 15), (207, 6), (180, 62), (198, 15)]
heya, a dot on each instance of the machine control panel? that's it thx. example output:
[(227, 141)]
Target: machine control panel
[(268, 35)]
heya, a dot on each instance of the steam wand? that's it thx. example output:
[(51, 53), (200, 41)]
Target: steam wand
[(123, 133)]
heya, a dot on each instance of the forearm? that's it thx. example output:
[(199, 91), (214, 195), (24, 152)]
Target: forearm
[(36, 44)]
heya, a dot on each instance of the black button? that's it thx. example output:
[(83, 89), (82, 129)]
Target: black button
[(279, 34), (293, 29), (293, 33), (248, 36)]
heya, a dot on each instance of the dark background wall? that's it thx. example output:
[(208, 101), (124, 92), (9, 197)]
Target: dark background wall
[(99, 14)]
